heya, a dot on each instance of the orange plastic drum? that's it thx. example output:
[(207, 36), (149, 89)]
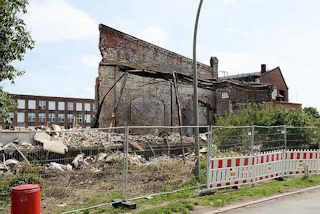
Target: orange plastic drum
[(25, 199)]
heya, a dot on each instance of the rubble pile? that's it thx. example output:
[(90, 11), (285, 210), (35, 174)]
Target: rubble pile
[(72, 144), (85, 138)]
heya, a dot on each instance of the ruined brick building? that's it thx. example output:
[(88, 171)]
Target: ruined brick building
[(143, 84)]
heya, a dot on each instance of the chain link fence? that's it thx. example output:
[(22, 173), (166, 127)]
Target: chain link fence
[(87, 167)]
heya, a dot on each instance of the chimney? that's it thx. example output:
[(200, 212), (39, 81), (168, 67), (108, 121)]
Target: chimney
[(263, 68), (214, 63)]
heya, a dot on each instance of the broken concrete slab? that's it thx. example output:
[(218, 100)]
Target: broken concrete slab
[(78, 161), (11, 163), (51, 144), (60, 167)]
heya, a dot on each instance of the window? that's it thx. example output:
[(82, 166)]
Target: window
[(61, 106), (61, 118), (51, 117), (87, 107), (79, 118), (21, 104), (31, 104), (88, 118), (79, 106), (31, 117), (70, 106), (20, 117), (52, 105), (11, 116), (94, 107), (42, 104), (42, 117), (70, 118)]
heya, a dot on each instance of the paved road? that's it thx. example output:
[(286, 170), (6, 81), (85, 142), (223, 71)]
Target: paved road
[(302, 203)]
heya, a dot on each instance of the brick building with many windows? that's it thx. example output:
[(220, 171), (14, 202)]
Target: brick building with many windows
[(33, 111)]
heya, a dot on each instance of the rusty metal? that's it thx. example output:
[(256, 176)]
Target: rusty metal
[(118, 48)]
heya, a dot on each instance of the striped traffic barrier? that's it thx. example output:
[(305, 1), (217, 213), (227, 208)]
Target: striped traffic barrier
[(236, 171)]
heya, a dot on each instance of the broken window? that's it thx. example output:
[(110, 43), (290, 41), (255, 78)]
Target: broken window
[(31, 104), (87, 107), (51, 117), (20, 118), (42, 117), (31, 117), (70, 106), (21, 104), (42, 104), (61, 118), (70, 118), (52, 105), (79, 106), (61, 106)]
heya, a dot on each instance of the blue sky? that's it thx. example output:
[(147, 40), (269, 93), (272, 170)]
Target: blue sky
[(242, 33)]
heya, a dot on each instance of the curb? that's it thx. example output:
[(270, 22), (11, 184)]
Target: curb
[(222, 210)]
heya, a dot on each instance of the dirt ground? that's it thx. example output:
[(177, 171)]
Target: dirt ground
[(98, 184)]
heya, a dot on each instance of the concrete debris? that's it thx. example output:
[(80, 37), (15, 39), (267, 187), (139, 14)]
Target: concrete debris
[(11, 163), (79, 161), (56, 128), (51, 144), (101, 156), (60, 167)]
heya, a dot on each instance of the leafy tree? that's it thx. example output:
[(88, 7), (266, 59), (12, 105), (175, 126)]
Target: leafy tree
[(239, 139), (312, 112), (15, 40)]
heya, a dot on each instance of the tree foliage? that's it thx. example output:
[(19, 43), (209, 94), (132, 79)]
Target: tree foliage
[(311, 112), (15, 40), (271, 138)]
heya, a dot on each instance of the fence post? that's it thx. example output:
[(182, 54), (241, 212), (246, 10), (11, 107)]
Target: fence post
[(125, 166), (210, 137), (285, 137), (252, 140)]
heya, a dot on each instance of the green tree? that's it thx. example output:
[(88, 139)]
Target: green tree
[(15, 40), (312, 112), (271, 138)]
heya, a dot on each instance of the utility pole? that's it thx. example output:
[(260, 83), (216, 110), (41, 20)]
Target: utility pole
[(195, 93)]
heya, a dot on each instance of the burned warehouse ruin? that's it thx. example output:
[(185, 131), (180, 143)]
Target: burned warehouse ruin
[(140, 83)]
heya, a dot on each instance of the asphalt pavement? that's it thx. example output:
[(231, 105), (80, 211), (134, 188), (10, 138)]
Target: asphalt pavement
[(301, 203)]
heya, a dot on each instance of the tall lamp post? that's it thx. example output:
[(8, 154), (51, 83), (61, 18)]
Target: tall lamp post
[(195, 93)]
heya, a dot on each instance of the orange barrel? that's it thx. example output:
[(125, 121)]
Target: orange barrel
[(25, 199)]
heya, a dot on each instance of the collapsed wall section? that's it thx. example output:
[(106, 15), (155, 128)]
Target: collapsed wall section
[(147, 96)]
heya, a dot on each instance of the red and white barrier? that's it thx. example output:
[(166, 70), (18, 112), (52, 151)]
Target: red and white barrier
[(235, 171)]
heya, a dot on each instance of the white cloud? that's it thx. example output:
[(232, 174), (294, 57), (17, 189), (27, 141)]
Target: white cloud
[(155, 35), (91, 60), (56, 20)]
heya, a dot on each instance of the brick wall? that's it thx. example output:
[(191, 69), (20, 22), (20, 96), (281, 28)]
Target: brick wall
[(275, 78), (55, 112)]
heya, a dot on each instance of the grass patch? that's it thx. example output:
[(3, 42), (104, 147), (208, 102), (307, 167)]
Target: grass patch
[(26, 175), (185, 201), (174, 207)]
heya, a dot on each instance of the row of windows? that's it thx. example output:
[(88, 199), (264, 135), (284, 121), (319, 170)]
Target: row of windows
[(51, 117), (52, 105)]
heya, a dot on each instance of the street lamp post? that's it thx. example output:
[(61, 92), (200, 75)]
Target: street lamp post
[(195, 93)]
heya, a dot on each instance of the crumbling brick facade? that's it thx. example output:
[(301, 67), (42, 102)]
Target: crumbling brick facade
[(145, 93), (148, 97)]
